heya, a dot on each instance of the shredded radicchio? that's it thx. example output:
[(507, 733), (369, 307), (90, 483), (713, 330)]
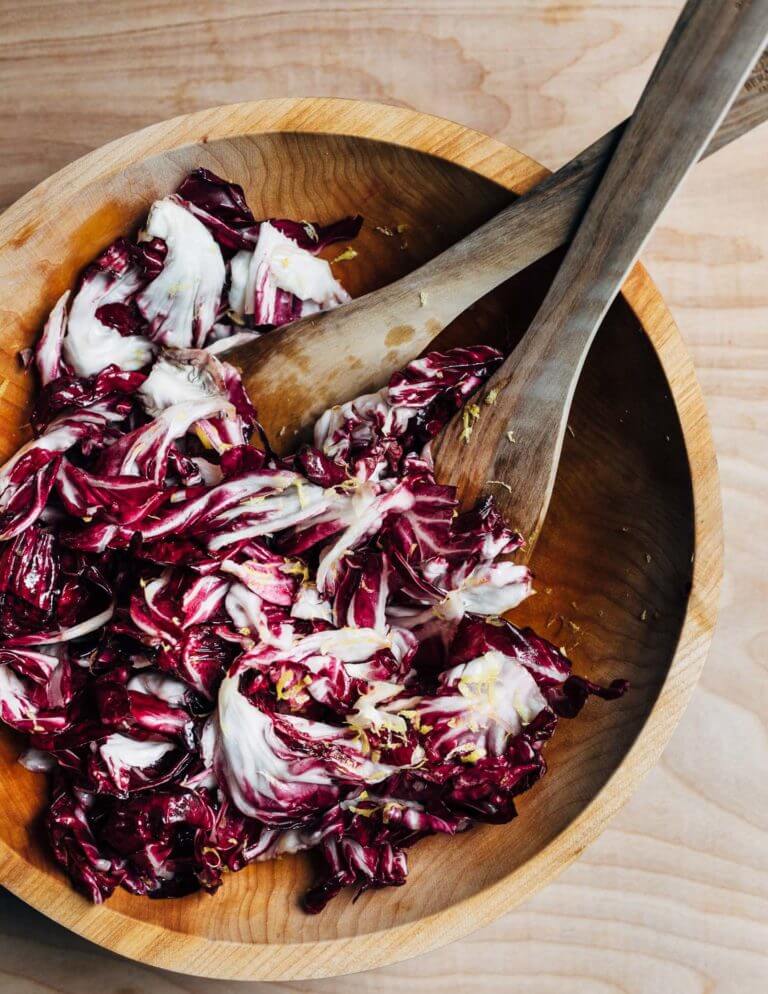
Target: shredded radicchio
[(221, 656)]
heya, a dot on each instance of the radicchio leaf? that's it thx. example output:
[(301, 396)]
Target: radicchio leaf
[(223, 656)]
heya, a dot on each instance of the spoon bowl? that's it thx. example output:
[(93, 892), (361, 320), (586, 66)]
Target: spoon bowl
[(628, 563)]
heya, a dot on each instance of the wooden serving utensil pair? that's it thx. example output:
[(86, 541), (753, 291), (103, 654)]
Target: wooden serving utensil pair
[(607, 200)]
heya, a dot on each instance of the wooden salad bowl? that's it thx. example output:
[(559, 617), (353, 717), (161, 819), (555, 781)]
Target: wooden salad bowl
[(628, 565)]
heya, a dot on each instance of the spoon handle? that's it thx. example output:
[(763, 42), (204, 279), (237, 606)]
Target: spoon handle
[(547, 217), (704, 62), (353, 349)]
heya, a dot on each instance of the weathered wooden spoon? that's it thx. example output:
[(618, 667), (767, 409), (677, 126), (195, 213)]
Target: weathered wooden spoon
[(519, 437), (330, 358)]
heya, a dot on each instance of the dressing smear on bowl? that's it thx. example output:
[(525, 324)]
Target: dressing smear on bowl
[(219, 655)]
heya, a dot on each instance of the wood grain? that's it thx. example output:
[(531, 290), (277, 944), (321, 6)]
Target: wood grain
[(653, 470), (674, 896), (702, 66), (379, 333)]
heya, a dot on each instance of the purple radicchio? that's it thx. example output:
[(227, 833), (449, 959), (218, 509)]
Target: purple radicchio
[(221, 656)]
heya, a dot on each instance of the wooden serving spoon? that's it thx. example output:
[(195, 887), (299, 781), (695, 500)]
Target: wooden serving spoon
[(705, 61), (333, 357)]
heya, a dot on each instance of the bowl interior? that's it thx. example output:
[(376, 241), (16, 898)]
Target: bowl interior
[(613, 563)]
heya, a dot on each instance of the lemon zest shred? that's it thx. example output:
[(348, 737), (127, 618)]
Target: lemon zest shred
[(348, 253), (473, 756), (281, 692), (469, 416), (300, 493), (204, 440), (295, 567)]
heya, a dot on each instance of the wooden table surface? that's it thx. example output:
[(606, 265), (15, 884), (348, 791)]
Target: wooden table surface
[(674, 896)]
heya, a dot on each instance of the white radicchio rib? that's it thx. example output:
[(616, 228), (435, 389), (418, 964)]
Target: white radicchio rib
[(277, 767), (90, 345), (479, 706), (181, 376), (279, 264), (181, 303), (48, 354)]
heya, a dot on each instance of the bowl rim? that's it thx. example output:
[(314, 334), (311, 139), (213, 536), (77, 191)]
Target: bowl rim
[(202, 956)]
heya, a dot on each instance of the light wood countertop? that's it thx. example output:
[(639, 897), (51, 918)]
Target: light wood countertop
[(674, 895)]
